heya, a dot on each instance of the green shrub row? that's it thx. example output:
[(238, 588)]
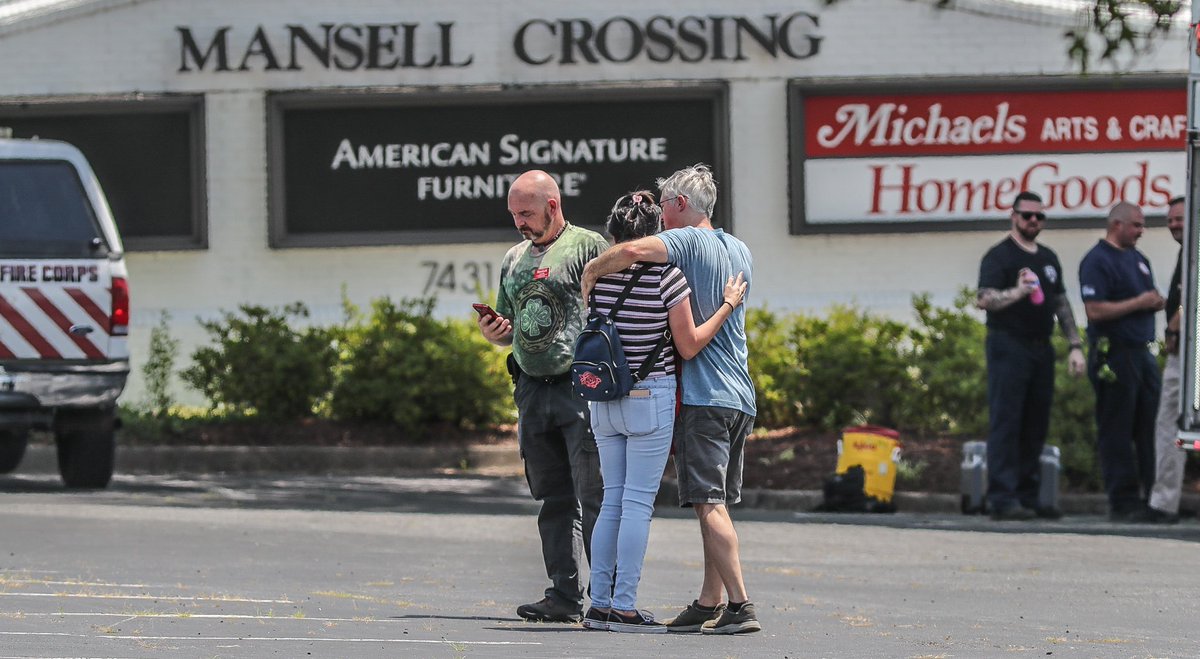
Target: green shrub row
[(926, 378), (398, 364)]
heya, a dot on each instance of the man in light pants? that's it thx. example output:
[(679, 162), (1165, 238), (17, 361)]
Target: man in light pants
[(1169, 459)]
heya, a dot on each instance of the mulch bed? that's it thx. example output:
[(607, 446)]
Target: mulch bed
[(782, 459), (802, 459), (790, 458), (314, 432)]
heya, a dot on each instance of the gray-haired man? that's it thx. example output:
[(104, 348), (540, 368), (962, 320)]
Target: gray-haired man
[(718, 396)]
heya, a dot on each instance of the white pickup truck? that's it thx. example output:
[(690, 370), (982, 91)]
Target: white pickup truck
[(64, 310)]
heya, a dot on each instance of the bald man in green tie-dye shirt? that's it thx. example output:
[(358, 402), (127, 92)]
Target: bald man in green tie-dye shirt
[(541, 314)]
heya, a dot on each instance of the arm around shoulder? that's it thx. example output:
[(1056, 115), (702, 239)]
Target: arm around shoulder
[(690, 339), (621, 256)]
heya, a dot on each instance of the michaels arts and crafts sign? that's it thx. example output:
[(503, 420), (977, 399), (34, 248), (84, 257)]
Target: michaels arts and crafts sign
[(881, 160)]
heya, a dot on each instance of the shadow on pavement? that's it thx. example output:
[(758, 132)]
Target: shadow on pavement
[(433, 617), (491, 495), (446, 494)]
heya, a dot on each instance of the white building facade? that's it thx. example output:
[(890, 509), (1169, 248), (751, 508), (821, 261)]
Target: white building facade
[(272, 151)]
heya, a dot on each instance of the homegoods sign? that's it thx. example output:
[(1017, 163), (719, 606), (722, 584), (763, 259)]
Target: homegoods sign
[(882, 161)]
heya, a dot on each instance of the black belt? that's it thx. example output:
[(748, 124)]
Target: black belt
[(516, 372), (1125, 345), (550, 379)]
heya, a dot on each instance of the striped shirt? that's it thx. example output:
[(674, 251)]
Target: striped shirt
[(642, 318)]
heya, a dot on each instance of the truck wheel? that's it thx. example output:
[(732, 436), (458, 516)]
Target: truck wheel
[(86, 448), (12, 449)]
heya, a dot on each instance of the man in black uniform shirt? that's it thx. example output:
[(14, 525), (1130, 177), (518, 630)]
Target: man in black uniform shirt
[(1021, 288)]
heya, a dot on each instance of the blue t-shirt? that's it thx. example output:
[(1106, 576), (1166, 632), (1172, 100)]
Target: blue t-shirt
[(719, 376), (1109, 274)]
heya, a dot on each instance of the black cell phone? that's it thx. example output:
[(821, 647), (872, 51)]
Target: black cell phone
[(484, 310)]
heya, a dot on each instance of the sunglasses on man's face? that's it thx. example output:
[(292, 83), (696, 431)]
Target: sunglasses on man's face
[(1029, 215)]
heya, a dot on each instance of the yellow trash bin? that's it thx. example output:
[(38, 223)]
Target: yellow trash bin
[(877, 449)]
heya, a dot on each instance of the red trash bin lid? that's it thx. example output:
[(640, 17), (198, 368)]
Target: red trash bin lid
[(873, 430)]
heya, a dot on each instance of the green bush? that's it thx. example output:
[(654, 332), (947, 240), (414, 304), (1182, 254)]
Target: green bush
[(160, 367), (1073, 423), (851, 368), (400, 365), (261, 365), (949, 390), (773, 369)]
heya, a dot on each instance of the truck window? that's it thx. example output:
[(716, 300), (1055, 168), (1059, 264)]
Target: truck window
[(45, 213)]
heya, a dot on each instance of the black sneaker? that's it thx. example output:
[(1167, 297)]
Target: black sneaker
[(638, 622), (742, 622), (693, 617), (595, 619), (1013, 513), (548, 610)]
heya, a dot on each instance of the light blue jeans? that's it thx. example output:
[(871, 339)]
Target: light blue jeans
[(633, 435)]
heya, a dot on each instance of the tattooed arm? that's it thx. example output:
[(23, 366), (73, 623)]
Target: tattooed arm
[(1066, 321), (994, 299)]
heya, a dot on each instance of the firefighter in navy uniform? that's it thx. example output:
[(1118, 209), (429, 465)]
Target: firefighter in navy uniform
[(1121, 301)]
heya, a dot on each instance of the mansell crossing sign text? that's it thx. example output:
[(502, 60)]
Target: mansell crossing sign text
[(536, 42)]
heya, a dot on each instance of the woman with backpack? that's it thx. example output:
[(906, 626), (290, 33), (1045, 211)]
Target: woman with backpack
[(633, 432)]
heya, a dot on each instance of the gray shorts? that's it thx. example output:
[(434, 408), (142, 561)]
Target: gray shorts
[(709, 446)]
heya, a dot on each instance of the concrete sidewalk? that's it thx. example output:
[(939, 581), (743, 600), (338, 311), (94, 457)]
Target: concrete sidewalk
[(488, 460)]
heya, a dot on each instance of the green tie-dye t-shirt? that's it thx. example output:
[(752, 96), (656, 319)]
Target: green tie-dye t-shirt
[(540, 294)]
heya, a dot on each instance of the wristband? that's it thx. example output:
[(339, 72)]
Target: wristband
[(1171, 332), (731, 307)]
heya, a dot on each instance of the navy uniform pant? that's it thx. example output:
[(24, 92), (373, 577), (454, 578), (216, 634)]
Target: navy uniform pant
[(1020, 393), (1125, 415), (562, 467)]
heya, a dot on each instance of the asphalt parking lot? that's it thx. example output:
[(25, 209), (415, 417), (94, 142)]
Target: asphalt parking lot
[(434, 566)]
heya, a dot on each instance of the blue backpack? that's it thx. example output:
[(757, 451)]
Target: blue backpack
[(600, 371)]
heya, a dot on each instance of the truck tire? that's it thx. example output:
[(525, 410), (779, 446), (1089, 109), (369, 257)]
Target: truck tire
[(86, 443), (12, 449)]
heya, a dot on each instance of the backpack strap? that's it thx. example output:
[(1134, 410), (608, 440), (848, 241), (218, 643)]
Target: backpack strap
[(652, 358), (624, 294)]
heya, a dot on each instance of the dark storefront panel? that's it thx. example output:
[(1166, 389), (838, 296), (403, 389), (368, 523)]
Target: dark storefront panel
[(147, 155), (366, 169)]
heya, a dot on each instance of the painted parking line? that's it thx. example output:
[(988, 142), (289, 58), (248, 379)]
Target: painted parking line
[(185, 615), (107, 656), (78, 584), (171, 598), (272, 639)]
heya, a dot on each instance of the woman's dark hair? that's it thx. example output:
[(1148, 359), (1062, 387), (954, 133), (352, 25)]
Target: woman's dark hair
[(636, 215)]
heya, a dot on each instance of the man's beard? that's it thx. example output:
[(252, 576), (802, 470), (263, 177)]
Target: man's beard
[(1029, 234), (530, 234)]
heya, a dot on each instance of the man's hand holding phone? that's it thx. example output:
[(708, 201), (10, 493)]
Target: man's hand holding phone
[(495, 328), (484, 310)]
